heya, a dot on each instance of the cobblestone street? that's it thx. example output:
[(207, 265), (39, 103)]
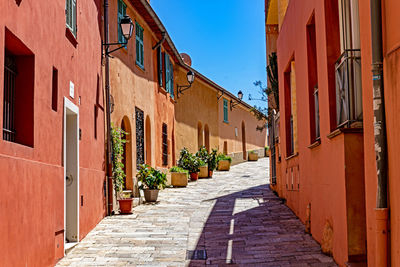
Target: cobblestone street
[(233, 219)]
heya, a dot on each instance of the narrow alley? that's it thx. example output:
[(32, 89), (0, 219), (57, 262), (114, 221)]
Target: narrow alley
[(232, 219)]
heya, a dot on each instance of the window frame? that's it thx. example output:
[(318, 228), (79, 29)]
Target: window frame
[(70, 16)]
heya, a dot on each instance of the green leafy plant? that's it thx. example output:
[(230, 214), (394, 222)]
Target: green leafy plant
[(212, 160), (222, 156), (178, 169), (203, 154), (150, 178), (118, 141), (189, 161)]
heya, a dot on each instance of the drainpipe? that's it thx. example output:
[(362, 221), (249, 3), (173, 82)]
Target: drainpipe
[(108, 112), (381, 211)]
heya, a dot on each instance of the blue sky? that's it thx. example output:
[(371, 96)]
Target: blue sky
[(224, 38)]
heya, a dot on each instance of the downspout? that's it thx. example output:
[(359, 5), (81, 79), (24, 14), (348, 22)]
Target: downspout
[(108, 112), (381, 211)]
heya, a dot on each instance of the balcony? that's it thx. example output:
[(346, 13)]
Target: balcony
[(349, 111)]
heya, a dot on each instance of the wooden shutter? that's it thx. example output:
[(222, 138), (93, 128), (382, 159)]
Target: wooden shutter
[(139, 45), (159, 66), (171, 79), (74, 24), (225, 110), (167, 70)]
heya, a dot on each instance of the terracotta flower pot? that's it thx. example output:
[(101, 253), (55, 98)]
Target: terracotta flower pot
[(203, 172), (253, 156), (194, 176), (179, 179), (151, 195), (210, 174), (125, 205), (224, 165)]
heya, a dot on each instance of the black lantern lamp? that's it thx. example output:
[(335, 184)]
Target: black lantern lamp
[(126, 26), (190, 78), (240, 97)]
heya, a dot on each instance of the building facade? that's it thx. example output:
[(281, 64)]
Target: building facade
[(52, 145), (142, 81), (328, 161)]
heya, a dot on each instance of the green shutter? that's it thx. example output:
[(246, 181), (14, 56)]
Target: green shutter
[(74, 26), (121, 14), (159, 66), (139, 45), (171, 80), (225, 110), (70, 15), (167, 75)]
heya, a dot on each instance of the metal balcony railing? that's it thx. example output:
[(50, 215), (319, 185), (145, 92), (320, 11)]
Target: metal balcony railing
[(348, 89)]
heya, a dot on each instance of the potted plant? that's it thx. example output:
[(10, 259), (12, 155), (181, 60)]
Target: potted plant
[(179, 176), (267, 151), (189, 162), (203, 155), (212, 162), (253, 155), (124, 200), (224, 162), (150, 181)]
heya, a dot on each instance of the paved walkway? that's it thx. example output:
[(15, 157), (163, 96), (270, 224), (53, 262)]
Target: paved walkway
[(232, 219)]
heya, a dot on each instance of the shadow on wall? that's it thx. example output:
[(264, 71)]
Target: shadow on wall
[(254, 227)]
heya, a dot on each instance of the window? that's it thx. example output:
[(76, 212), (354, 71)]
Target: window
[(54, 91), (349, 110), (160, 66), (290, 109), (313, 80), (121, 14), (169, 76), (226, 110), (139, 46), (70, 12), (18, 97), (164, 145)]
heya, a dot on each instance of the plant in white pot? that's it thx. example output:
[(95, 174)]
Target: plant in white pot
[(118, 141), (151, 181)]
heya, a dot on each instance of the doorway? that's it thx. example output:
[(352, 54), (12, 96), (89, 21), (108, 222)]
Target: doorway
[(71, 174)]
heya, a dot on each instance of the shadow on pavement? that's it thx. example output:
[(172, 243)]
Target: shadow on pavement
[(254, 228)]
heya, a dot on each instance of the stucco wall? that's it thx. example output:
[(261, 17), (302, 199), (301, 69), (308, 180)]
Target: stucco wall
[(391, 40), (241, 126), (197, 105), (32, 179), (318, 171)]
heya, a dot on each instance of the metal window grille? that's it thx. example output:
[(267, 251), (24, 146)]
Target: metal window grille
[(348, 88), (316, 108), (139, 137), (164, 144), (10, 77)]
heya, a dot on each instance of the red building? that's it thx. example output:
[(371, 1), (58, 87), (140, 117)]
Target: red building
[(328, 171), (52, 120)]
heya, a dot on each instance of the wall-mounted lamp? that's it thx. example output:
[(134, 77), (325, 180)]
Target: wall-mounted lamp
[(234, 104), (181, 88), (126, 26)]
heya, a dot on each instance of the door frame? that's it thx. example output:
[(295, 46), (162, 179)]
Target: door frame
[(74, 109)]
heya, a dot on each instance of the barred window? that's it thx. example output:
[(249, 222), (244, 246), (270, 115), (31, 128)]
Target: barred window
[(164, 144)]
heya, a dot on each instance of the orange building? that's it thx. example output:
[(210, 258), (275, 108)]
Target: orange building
[(208, 115), (52, 146), (142, 82), (328, 168)]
